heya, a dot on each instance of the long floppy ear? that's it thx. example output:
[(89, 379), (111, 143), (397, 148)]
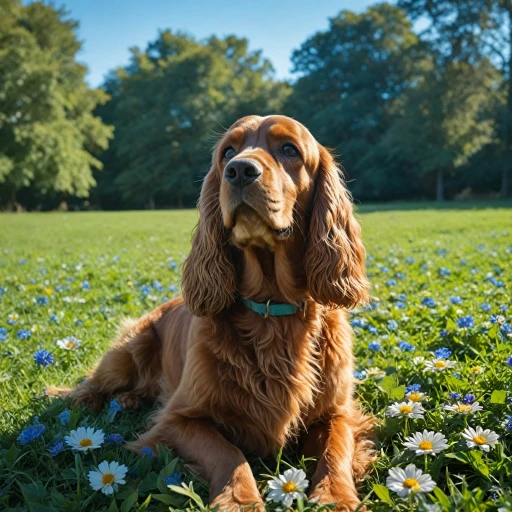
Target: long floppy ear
[(208, 285), (335, 255)]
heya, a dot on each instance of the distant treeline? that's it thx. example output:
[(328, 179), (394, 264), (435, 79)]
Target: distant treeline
[(410, 115)]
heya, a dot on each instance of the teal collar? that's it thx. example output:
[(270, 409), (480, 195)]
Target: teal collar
[(266, 309)]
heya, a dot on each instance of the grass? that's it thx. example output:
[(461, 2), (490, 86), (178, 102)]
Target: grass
[(79, 274)]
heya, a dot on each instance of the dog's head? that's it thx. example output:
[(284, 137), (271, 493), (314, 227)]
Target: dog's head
[(271, 181)]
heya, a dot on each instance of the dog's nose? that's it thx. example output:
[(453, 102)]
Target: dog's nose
[(242, 172)]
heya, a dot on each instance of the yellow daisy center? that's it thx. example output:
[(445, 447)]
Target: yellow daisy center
[(289, 487), (414, 397), (475, 369), (85, 442), (406, 409), (480, 440), (108, 479), (426, 445), (463, 408), (70, 344), (439, 364), (411, 483)]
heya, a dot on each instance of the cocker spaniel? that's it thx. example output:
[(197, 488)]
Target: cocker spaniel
[(258, 351)]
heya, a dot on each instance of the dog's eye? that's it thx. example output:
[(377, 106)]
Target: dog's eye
[(228, 153), (290, 150)]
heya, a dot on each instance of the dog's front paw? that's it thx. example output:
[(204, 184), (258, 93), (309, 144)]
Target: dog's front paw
[(345, 501), (93, 400), (243, 501)]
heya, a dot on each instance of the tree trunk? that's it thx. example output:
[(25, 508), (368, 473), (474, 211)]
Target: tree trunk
[(440, 185), (151, 203), (507, 124)]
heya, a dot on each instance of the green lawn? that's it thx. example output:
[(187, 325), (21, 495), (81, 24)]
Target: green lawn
[(78, 274)]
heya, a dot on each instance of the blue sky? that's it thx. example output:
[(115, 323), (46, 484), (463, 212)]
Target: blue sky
[(109, 27)]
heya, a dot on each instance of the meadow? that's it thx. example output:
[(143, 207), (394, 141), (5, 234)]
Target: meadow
[(436, 341)]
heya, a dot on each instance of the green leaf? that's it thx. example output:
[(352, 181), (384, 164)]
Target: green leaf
[(168, 500), (129, 502), (451, 325), (452, 382), (388, 383), (442, 498), (145, 505), (398, 392), (498, 396), (383, 493)]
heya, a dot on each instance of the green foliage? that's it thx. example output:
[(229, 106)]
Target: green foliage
[(48, 133), (122, 259), (169, 105)]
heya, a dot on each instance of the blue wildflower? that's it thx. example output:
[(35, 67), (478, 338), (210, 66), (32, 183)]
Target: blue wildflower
[(31, 433), (443, 333), (400, 305), (466, 322), (148, 451), (485, 307), (456, 375), (507, 424), (54, 318), (372, 329), (115, 405), (2, 290), (428, 301), (410, 260), (86, 286), (454, 396), (444, 271), (443, 353), (114, 439), (64, 416), (494, 319), (361, 374), (406, 347), (391, 282), (468, 399), (374, 346), (358, 322), (56, 448), (508, 361), (503, 308), (413, 387), (174, 479), (157, 285), (392, 325), (42, 300), (506, 329), (43, 358), (456, 300), (402, 296), (442, 252), (23, 334), (400, 275), (172, 288), (173, 265)]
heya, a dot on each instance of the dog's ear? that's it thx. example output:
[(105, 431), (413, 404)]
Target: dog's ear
[(209, 282), (335, 255)]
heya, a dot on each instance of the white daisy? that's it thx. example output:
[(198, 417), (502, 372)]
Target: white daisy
[(84, 439), (426, 442), (412, 479), (108, 477), (476, 369), (480, 438), (438, 365), (287, 487), (416, 396), (406, 409), (418, 360), (69, 343), (460, 408)]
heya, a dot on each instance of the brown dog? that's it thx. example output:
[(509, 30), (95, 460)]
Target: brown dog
[(276, 226)]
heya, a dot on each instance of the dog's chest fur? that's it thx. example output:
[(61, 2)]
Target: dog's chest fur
[(268, 378)]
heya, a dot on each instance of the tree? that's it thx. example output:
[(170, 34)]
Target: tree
[(469, 30), (48, 134), (350, 76), (169, 104), (444, 120)]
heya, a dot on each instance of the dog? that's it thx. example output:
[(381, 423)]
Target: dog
[(257, 353)]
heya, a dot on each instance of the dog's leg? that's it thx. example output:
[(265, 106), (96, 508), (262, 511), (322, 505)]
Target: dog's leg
[(130, 371), (232, 485), (345, 451)]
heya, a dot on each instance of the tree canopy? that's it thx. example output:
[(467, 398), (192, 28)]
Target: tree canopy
[(412, 114), (50, 137)]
